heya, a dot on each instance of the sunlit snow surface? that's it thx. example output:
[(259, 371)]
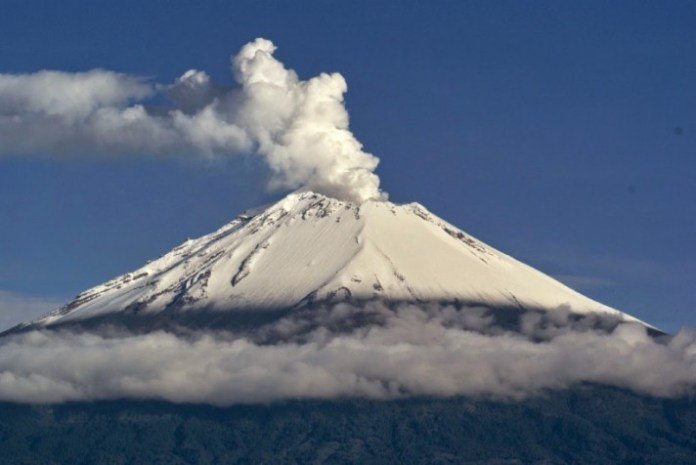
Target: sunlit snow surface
[(310, 248), (317, 298)]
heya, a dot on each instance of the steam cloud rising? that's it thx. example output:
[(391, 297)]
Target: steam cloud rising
[(300, 128), (410, 350)]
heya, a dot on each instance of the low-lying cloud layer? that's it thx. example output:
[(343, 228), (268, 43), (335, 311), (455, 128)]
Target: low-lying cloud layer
[(345, 351), (300, 128)]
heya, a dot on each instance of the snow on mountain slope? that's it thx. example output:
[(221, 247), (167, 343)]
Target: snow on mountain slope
[(310, 248)]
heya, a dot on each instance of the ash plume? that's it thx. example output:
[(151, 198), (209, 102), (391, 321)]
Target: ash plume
[(299, 127)]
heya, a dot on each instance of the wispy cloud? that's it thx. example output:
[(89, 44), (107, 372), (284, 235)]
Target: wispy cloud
[(583, 283), (599, 265), (17, 308), (299, 128)]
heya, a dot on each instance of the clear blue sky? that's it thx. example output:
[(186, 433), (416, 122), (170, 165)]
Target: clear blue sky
[(563, 133)]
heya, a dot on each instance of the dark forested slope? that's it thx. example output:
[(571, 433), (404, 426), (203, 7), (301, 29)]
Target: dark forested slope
[(586, 424)]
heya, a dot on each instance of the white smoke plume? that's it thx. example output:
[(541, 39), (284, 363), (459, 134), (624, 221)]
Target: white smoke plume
[(411, 350), (300, 128)]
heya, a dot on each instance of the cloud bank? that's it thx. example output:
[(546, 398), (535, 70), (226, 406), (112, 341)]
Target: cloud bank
[(299, 128), (392, 353)]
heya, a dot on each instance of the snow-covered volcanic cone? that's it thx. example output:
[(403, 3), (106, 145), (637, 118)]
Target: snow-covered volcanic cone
[(314, 297), (309, 249)]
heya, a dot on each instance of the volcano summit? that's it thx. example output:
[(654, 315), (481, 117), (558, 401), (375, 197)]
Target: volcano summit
[(317, 298), (308, 250)]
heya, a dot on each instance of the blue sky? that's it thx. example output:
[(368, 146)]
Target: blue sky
[(563, 134)]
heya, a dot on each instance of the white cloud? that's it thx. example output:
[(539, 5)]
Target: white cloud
[(16, 308), (582, 282), (300, 128), (72, 95), (405, 351)]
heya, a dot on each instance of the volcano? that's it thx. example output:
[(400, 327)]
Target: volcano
[(309, 249), (316, 330)]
